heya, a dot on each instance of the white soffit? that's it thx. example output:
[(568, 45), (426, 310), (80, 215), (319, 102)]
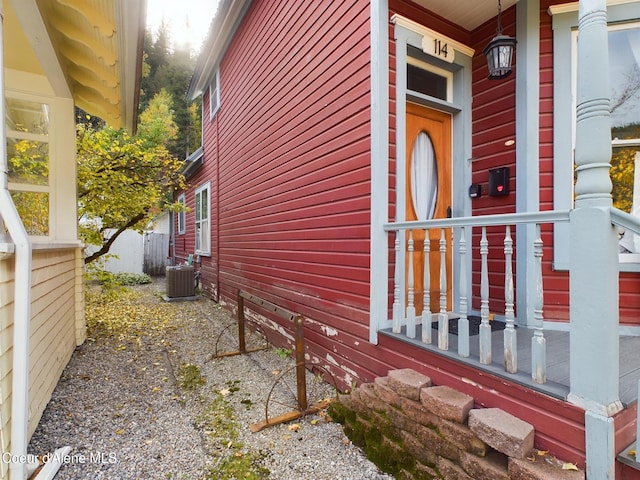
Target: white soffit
[(469, 14)]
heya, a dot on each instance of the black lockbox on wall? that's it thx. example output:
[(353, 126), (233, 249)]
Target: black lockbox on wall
[(499, 181)]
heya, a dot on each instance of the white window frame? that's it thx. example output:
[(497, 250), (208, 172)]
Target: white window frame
[(45, 188), (565, 23), (214, 93), (182, 215), (202, 222)]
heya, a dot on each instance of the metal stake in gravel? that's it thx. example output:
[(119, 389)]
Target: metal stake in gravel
[(302, 402), (242, 341)]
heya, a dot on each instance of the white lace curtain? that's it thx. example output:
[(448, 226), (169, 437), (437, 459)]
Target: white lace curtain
[(424, 177)]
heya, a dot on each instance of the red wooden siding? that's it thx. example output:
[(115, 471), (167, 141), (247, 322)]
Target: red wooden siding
[(556, 283), (288, 161), (493, 124), (290, 151)]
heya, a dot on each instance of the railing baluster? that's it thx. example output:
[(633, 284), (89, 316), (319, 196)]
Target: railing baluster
[(485, 328), (463, 321), (397, 313), (411, 309), (443, 272), (538, 342), (510, 343), (443, 318), (426, 297), (436, 302)]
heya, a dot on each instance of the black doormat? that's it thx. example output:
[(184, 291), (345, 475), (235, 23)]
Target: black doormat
[(474, 325)]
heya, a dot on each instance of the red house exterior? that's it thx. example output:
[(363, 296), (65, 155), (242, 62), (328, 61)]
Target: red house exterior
[(307, 184)]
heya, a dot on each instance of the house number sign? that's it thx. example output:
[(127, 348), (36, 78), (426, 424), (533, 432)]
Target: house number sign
[(438, 47)]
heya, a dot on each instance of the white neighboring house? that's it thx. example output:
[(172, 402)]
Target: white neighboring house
[(135, 252)]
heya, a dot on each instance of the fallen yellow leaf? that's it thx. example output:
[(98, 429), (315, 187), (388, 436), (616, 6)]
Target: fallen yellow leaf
[(542, 453), (631, 453), (569, 466), (314, 421), (120, 431), (294, 427)]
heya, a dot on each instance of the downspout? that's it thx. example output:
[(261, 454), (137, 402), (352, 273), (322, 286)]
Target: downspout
[(217, 208), (22, 297), (172, 239)]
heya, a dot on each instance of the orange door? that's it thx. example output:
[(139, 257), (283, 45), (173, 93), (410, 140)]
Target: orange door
[(428, 194)]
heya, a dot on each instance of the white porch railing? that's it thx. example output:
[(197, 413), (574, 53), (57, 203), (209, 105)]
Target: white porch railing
[(404, 309)]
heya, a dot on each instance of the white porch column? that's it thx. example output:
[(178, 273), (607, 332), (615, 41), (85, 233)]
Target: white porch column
[(594, 345), (594, 244)]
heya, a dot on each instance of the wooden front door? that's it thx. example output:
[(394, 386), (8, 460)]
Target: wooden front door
[(428, 195)]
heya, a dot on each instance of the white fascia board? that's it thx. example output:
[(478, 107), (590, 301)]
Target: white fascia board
[(130, 16), (573, 6), (221, 31), (34, 28)]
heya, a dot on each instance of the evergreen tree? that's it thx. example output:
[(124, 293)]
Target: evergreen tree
[(170, 68)]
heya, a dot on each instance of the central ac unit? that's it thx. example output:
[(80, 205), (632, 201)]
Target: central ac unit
[(180, 281)]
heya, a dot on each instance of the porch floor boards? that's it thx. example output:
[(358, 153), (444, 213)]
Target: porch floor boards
[(557, 343)]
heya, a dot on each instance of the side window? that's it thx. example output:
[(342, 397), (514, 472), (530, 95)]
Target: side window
[(624, 81), (203, 229), (182, 215), (214, 95), (27, 125), (624, 71)]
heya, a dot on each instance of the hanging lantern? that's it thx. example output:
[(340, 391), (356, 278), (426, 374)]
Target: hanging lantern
[(499, 52)]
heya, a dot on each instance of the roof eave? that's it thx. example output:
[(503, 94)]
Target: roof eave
[(131, 17), (221, 31)]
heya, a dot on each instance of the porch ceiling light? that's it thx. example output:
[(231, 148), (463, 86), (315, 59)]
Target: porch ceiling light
[(499, 52)]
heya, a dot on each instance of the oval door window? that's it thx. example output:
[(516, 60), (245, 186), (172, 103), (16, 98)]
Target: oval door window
[(424, 177)]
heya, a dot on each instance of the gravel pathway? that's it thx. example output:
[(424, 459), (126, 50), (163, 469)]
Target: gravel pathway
[(125, 409)]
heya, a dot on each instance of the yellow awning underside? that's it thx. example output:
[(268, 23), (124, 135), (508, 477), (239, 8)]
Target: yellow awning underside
[(98, 45)]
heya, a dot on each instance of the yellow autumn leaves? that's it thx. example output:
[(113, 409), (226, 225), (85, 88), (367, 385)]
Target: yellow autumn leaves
[(552, 460), (119, 313)]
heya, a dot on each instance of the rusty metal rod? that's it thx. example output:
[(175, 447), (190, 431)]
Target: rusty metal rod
[(300, 370), (298, 320), (281, 312), (242, 347)]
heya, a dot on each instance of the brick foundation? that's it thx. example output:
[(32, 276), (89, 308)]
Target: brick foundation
[(414, 430)]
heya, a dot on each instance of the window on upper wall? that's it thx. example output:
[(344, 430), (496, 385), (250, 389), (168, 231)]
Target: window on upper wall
[(202, 221), (214, 95), (624, 78), (27, 124), (181, 215)]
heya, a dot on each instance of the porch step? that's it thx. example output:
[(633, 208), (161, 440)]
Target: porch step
[(628, 457), (413, 429)]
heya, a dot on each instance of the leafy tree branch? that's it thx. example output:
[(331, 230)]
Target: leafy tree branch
[(124, 180)]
